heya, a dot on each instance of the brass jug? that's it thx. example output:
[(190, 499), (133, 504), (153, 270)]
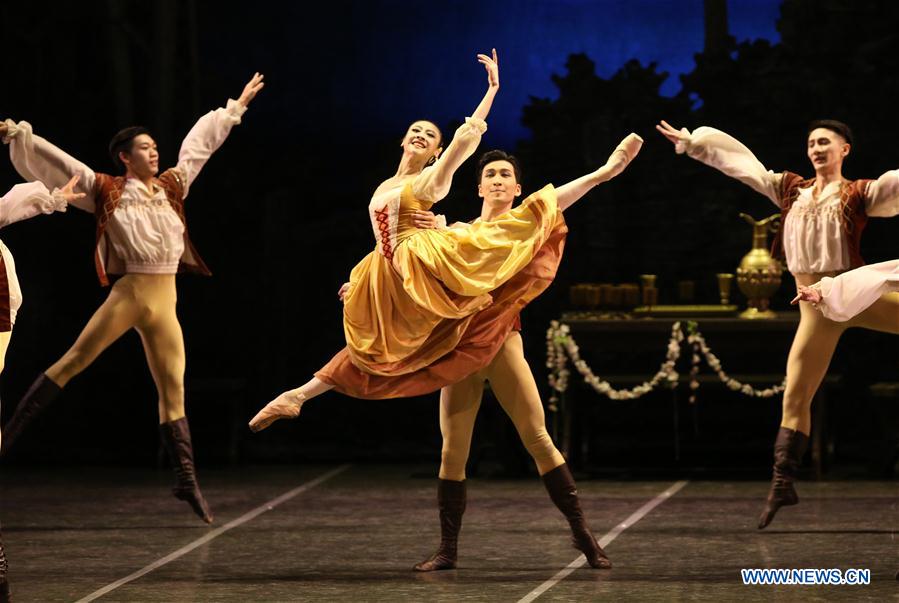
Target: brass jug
[(758, 275)]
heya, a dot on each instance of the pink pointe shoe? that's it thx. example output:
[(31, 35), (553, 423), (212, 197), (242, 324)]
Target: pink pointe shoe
[(629, 147), (285, 406)]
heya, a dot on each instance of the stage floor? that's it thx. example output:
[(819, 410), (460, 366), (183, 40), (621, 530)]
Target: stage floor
[(352, 533)]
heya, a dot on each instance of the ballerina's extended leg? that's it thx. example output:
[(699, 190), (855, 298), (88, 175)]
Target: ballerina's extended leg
[(288, 404)]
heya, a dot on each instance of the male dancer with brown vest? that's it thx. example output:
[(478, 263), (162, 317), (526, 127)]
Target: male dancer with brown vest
[(142, 235), (823, 219)]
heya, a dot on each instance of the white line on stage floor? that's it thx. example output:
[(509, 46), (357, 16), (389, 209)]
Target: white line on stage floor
[(605, 540), (215, 533)]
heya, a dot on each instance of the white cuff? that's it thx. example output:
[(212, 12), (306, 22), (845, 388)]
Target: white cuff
[(441, 221), (57, 202), (235, 110), (682, 146), (478, 124)]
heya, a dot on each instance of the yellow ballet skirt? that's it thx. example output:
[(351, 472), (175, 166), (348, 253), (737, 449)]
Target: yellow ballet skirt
[(430, 306)]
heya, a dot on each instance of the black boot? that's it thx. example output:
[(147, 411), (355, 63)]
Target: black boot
[(451, 502), (39, 395), (562, 490), (176, 438), (4, 583), (789, 448)]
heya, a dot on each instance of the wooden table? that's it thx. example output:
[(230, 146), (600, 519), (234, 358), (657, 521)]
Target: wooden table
[(627, 352)]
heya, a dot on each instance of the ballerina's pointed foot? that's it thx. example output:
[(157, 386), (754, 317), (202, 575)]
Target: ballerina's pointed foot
[(630, 146), (285, 406)]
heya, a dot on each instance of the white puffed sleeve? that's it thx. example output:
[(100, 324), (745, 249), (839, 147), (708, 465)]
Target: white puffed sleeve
[(728, 155), (849, 294), (205, 138), (433, 184), (28, 200), (38, 160), (882, 196)]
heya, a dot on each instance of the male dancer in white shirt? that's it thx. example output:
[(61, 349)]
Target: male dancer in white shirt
[(142, 235), (823, 219)]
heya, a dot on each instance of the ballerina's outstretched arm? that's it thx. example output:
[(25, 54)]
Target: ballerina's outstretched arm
[(623, 154), (434, 182), (491, 64)]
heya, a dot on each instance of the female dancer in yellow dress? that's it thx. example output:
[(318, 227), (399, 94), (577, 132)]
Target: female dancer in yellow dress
[(429, 307)]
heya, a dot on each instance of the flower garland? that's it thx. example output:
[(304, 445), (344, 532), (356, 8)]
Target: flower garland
[(560, 347), (699, 345)]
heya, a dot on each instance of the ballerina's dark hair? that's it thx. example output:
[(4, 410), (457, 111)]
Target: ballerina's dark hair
[(433, 123)]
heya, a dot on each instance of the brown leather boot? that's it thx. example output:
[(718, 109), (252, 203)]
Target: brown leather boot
[(789, 448), (176, 438), (41, 393), (451, 502), (4, 583), (562, 490)]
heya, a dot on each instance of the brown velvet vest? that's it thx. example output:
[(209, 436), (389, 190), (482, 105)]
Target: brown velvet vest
[(108, 190), (853, 217)]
